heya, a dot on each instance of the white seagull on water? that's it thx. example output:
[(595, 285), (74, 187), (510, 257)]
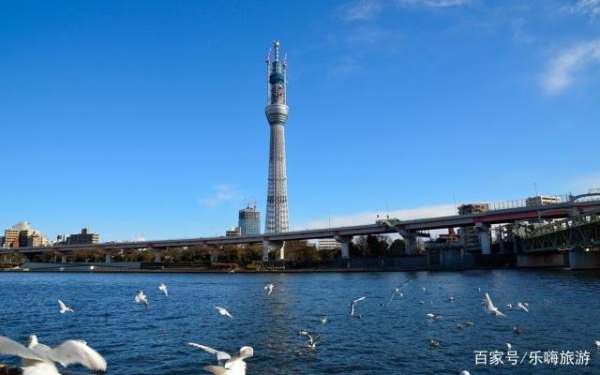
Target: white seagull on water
[(64, 308), (163, 288), (489, 306), (227, 365), (223, 311), (39, 359), (140, 298), (269, 288), (522, 306), (312, 340), (353, 306)]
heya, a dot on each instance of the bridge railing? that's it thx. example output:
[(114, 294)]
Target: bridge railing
[(561, 225)]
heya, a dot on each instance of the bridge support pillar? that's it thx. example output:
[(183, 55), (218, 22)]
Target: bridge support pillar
[(107, 258), (63, 258), (157, 258), (345, 241), (484, 238), (269, 246), (410, 241)]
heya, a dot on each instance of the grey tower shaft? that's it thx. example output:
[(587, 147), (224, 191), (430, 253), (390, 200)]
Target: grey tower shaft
[(277, 205), (277, 113)]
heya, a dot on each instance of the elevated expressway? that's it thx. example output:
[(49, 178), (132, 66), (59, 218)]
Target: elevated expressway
[(409, 229)]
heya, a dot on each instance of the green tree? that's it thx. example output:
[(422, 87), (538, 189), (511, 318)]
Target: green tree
[(397, 248)]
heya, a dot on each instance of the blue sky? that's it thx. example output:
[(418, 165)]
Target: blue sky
[(146, 118)]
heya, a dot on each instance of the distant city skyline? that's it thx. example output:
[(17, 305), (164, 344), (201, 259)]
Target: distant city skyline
[(146, 122)]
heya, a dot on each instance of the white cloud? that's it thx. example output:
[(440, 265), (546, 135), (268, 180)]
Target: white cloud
[(361, 10), (589, 7), (562, 69), (433, 3), (221, 194), (583, 184), (370, 217)]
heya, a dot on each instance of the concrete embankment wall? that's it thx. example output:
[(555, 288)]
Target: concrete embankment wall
[(542, 260), (581, 260), (81, 267)]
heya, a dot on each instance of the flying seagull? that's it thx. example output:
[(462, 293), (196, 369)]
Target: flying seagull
[(508, 346), (465, 372), (434, 343), (223, 311), (312, 340), (64, 308), (163, 288), (269, 288), (228, 365), (140, 298), (597, 344), (353, 306), (522, 306), (489, 306), (324, 320), (39, 359)]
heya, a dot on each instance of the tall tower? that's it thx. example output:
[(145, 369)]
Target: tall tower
[(277, 113)]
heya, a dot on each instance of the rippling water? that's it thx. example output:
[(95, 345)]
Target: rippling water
[(390, 339)]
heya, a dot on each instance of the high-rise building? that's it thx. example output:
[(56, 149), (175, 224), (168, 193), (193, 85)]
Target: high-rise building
[(249, 221), (277, 114), (83, 238)]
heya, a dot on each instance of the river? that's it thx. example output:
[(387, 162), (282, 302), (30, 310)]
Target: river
[(393, 336)]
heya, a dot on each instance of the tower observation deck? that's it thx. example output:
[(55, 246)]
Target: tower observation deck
[(277, 113)]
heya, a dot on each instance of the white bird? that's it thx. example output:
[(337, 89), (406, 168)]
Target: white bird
[(269, 288), (40, 359), (395, 292), (64, 308), (508, 346), (509, 306), (140, 298), (353, 306), (433, 316), (465, 372), (451, 299), (223, 311), (522, 307), (324, 320), (597, 344), (228, 365), (163, 288), (92, 268), (489, 306), (312, 340)]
